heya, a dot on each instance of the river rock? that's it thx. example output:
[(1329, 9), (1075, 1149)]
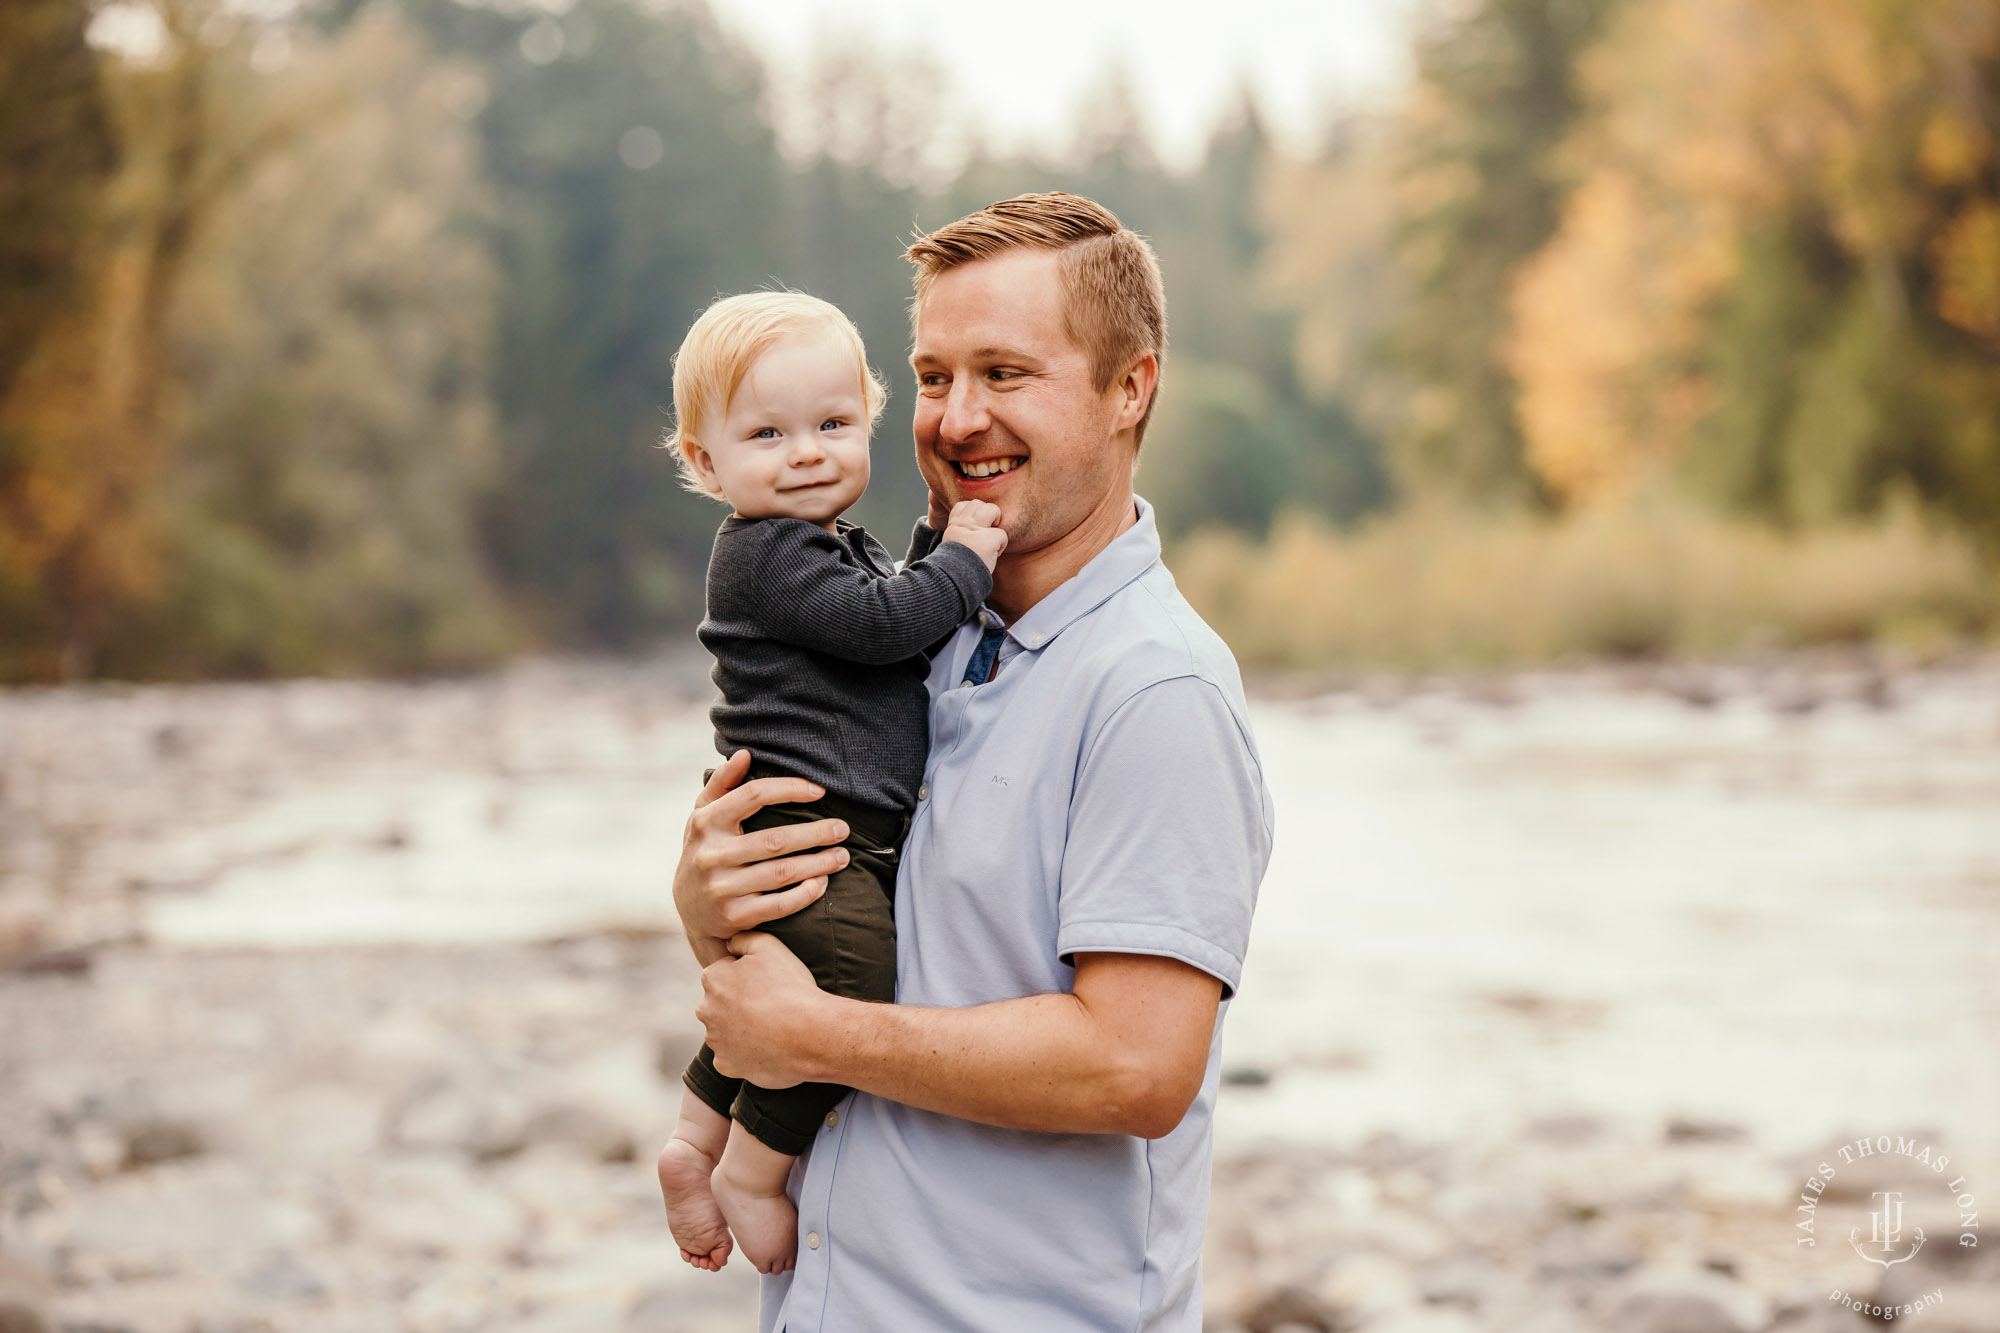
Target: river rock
[(1409, 1236), (317, 1120), (155, 1139), (283, 1277), (1689, 1129), (1467, 1281), (204, 1216), (440, 1113), (434, 1206), (1363, 1287), (1586, 1252), (1662, 1300), (594, 1133), (573, 1200), (1293, 1310)]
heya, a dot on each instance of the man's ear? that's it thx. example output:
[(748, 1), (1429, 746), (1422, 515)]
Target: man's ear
[(1135, 389)]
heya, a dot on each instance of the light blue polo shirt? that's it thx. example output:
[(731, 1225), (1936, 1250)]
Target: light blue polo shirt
[(1101, 793)]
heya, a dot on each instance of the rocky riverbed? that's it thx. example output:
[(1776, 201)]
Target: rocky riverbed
[(346, 1006)]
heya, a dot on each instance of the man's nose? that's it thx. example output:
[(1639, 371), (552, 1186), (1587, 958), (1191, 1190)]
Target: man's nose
[(965, 414)]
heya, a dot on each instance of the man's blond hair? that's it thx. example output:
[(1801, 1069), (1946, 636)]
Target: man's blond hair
[(1114, 303), (726, 341)]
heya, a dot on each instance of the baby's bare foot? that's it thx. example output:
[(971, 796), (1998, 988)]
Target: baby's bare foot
[(692, 1213), (765, 1225)]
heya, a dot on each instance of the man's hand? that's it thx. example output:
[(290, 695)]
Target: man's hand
[(728, 880), (976, 523), (760, 1010)]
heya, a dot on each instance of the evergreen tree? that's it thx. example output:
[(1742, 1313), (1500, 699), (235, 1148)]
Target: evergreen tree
[(1497, 91), (633, 184)]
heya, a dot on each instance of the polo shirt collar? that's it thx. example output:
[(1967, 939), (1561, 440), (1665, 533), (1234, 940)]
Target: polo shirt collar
[(1130, 554)]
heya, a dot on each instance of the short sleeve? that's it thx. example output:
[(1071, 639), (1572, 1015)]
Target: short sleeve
[(1169, 835)]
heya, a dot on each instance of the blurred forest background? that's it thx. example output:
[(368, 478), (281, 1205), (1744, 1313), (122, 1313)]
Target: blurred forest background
[(337, 337)]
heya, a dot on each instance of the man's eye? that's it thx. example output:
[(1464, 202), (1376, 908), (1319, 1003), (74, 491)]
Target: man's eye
[(999, 373), (931, 381)]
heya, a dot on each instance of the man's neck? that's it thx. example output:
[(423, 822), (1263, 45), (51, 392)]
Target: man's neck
[(1020, 581)]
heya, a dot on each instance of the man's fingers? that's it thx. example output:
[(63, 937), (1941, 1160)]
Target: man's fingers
[(767, 877), (757, 908), (764, 849), (726, 776), (750, 941), (731, 808)]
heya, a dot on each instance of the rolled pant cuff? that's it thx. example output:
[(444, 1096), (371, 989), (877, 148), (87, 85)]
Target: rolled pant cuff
[(702, 1082), (776, 1137)]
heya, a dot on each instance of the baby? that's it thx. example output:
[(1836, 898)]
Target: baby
[(821, 653)]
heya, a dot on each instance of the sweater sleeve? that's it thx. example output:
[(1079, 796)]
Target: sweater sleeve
[(923, 540), (803, 590)]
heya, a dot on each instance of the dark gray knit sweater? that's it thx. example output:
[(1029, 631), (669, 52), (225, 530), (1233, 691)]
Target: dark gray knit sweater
[(821, 649)]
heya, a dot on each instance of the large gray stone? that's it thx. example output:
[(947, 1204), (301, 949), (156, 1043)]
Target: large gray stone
[(435, 1206), (591, 1132), (1671, 1300)]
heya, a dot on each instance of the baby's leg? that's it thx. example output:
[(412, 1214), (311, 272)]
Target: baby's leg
[(750, 1186), (685, 1166)]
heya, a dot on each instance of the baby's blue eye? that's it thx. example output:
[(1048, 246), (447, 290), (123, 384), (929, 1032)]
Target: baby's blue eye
[(832, 423), (766, 433)]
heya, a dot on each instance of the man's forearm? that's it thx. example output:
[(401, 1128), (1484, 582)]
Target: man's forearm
[(1041, 1063), (1124, 1052)]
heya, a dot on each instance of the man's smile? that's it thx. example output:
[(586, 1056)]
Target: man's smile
[(978, 469)]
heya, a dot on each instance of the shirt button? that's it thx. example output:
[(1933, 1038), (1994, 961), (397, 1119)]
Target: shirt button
[(812, 1240), (832, 1119), (923, 794)]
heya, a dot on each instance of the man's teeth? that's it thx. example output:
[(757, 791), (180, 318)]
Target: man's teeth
[(991, 468)]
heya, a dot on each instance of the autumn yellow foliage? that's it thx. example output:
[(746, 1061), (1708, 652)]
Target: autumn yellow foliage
[(1435, 586), (1708, 120)]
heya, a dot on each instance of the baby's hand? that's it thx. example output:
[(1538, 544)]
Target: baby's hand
[(975, 523)]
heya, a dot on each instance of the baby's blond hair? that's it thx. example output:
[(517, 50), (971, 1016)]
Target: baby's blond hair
[(727, 340)]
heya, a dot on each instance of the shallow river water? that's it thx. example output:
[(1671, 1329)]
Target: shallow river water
[(1574, 896)]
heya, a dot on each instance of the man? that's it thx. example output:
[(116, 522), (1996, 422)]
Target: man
[(1028, 1146)]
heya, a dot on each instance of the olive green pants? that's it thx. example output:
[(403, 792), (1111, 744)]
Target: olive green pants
[(846, 938)]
